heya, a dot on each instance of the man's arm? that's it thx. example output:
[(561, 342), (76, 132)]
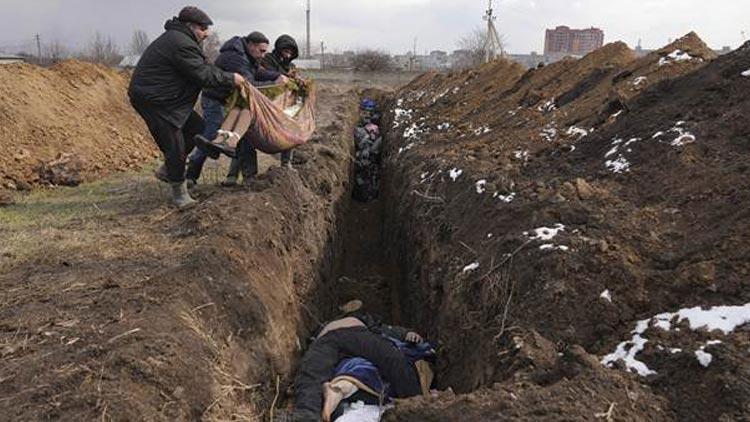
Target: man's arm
[(191, 63)]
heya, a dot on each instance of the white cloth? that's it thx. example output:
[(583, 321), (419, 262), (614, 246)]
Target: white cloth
[(361, 412)]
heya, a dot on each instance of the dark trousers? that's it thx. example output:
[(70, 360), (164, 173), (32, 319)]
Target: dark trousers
[(213, 117), (246, 161), (174, 142), (320, 360)]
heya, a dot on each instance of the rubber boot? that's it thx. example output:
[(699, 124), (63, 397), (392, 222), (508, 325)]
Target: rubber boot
[(180, 196)]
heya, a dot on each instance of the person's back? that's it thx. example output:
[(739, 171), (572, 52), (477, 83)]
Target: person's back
[(161, 76)]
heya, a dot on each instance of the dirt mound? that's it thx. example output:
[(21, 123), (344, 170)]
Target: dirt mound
[(576, 205), (124, 309), (74, 108)]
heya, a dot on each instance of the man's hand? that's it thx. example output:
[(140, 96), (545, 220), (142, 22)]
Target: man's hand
[(413, 337), (281, 80), (239, 80)]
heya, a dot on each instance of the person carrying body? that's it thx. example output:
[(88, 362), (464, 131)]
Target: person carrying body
[(355, 334), (241, 55), (285, 51), (165, 86)]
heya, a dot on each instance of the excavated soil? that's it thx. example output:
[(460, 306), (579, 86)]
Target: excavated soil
[(640, 167), (140, 312), (67, 124)]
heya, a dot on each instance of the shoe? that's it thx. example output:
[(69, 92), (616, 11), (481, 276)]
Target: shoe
[(229, 181), (191, 183), (215, 147), (180, 196), (161, 174)]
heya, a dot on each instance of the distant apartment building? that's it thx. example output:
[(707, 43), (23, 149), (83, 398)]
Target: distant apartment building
[(563, 41)]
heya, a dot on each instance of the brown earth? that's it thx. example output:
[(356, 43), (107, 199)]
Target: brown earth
[(666, 235), (67, 124), (120, 308)]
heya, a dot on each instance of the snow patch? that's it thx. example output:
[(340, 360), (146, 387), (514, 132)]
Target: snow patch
[(703, 357), (443, 126), (505, 198), (676, 56), (746, 73), (471, 267), (545, 233), (639, 80), (482, 130), (454, 173), (521, 155), (481, 186), (548, 133), (553, 247), (577, 131), (606, 295), (548, 106)]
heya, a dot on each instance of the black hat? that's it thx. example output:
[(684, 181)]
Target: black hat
[(257, 38), (191, 14)]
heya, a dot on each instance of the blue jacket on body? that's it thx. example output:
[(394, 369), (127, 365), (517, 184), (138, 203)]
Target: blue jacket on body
[(233, 57)]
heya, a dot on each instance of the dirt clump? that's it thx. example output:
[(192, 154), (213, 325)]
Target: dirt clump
[(577, 219), (73, 108)]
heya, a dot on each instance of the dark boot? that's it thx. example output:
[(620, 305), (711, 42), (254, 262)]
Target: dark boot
[(193, 173)]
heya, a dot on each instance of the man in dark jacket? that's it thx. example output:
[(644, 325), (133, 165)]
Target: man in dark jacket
[(285, 51), (165, 86), (241, 55)]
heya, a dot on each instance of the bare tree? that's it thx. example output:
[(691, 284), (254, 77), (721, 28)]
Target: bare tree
[(473, 47), (55, 52), (139, 42), (211, 46), (102, 50), (372, 61)]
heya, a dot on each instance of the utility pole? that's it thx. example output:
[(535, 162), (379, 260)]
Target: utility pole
[(309, 53), (492, 44), (322, 54), (38, 47), (413, 61)]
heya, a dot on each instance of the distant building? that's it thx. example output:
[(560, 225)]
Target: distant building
[(563, 41), (10, 59)]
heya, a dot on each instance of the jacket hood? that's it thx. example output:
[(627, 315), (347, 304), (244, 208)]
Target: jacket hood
[(286, 42), (175, 24)]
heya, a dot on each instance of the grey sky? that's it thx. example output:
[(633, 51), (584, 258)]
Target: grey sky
[(383, 24)]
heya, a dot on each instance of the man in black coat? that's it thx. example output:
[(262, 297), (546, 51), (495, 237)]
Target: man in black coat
[(165, 86), (241, 55)]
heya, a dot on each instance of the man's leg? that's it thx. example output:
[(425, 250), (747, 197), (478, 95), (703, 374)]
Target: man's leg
[(249, 162), (171, 142), (316, 368), (393, 365), (286, 158), (213, 116)]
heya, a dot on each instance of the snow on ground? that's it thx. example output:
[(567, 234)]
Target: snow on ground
[(482, 130), (454, 173), (553, 247), (581, 133), (548, 106), (606, 295), (505, 198), (521, 155), (723, 318), (676, 56), (639, 80), (545, 233), (619, 147), (746, 73), (401, 116), (471, 267), (443, 126), (481, 186), (549, 133)]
